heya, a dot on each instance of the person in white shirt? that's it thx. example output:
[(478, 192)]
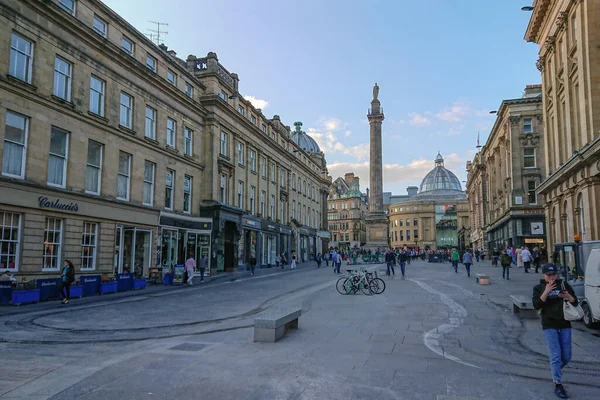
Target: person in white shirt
[(526, 257)]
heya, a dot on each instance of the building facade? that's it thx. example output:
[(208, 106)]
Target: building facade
[(512, 166), (432, 218), (478, 202), (122, 157), (568, 34), (346, 210)]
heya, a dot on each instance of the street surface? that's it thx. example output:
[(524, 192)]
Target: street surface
[(435, 335)]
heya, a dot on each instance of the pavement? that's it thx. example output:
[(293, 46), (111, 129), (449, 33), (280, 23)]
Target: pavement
[(433, 335)]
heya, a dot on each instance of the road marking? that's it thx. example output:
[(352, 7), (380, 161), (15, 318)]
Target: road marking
[(457, 316)]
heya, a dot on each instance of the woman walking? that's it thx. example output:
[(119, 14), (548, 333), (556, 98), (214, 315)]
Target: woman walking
[(67, 277), (549, 296), (293, 263)]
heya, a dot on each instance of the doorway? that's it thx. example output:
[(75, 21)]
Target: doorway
[(133, 251)]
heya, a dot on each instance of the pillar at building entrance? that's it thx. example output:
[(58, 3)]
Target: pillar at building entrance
[(376, 220)]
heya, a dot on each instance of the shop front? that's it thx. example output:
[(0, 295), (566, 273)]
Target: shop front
[(249, 241), (518, 230), (182, 237), (285, 241), (226, 233), (323, 241), (307, 244), (43, 227), (268, 243)]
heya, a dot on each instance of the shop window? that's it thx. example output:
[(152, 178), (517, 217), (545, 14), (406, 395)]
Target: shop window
[(531, 192), (93, 173), (89, 245), (52, 243), (223, 190), (188, 135), (240, 195), (21, 58), (97, 87), (9, 240), (124, 176), (170, 179), (62, 79), (15, 145), (57, 162), (171, 131), (252, 195), (126, 111), (223, 149), (150, 128), (149, 169), (187, 194)]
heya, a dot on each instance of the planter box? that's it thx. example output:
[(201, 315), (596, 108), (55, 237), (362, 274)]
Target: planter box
[(25, 296), (108, 287), (139, 284), (5, 292), (76, 291)]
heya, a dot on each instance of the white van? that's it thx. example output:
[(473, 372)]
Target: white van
[(591, 302)]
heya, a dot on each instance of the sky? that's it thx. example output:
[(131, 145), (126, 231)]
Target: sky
[(441, 66)]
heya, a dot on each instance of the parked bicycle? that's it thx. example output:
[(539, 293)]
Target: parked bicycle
[(360, 280)]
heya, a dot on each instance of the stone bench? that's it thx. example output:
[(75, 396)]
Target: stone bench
[(270, 326), (482, 279), (523, 307)]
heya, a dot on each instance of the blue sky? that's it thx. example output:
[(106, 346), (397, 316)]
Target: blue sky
[(441, 65)]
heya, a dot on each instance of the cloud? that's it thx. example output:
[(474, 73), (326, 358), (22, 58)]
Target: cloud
[(348, 133), (454, 113), (417, 119), (262, 104), (332, 124), (410, 173), (331, 146)]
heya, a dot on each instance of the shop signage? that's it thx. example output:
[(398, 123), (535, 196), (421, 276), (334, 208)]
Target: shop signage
[(250, 222), (528, 240), (178, 272), (269, 226), (303, 231), (57, 205), (537, 228), (203, 240), (285, 231), (184, 223)]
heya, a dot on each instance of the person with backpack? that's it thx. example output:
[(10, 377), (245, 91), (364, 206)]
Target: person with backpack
[(506, 261), (550, 296), (252, 262), (67, 278)]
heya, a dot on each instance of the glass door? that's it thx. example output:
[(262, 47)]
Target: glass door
[(127, 252), (169, 248), (133, 254), (117, 260), (142, 253)]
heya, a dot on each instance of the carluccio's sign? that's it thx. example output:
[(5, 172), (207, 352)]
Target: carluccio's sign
[(57, 204)]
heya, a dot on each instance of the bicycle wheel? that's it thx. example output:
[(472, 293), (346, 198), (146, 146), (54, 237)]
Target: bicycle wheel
[(367, 288), (380, 284), (341, 285)]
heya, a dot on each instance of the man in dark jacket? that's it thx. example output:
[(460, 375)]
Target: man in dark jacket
[(548, 297), (506, 261), (402, 260), (390, 259)]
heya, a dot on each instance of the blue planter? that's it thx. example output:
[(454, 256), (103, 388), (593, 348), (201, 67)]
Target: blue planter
[(168, 279), (139, 284), (76, 291), (90, 284), (108, 287), (125, 282), (25, 296), (49, 288), (5, 292)]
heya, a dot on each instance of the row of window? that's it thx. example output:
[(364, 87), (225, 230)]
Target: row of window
[(15, 154), (21, 60), (100, 26), (400, 222), (401, 209), (346, 237), (52, 245), (394, 235)]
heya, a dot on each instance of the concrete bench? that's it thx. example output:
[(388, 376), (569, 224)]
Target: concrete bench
[(270, 326), (482, 279), (523, 307)]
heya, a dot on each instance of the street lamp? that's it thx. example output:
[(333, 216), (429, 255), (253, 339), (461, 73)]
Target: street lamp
[(527, 8)]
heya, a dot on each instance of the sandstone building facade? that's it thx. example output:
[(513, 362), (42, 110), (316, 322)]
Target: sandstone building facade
[(346, 211), (503, 177), (568, 34), (121, 157)]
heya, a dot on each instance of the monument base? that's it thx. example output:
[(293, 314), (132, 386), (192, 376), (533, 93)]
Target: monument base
[(377, 233)]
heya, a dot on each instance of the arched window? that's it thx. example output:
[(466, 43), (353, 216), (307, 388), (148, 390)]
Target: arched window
[(581, 216), (567, 222)]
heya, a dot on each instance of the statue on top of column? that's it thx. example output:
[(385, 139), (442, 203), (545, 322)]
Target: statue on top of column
[(375, 91)]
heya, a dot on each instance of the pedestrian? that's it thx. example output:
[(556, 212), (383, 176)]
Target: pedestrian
[(7, 276), (455, 258), (327, 258), (402, 260), (252, 262), (526, 257), (495, 257), (203, 264), (482, 254), (506, 262), (278, 261), (190, 267), (338, 263), (390, 259), (467, 261), (549, 296), (477, 255), (319, 259), (67, 277), (537, 255), (293, 263)]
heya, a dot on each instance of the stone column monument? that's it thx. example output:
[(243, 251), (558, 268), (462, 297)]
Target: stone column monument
[(376, 220)]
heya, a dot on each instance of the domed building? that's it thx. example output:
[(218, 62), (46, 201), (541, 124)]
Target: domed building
[(434, 218)]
